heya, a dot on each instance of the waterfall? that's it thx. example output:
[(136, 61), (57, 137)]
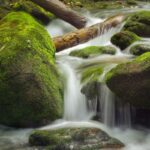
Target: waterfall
[(107, 106), (75, 107)]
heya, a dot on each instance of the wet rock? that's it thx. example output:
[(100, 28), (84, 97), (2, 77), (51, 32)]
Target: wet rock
[(93, 51), (91, 73), (124, 39), (96, 5), (140, 116), (91, 90), (139, 23), (33, 9), (131, 2), (74, 138), (91, 79), (140, 49), (130, 81), (27, 6), (31, 92)]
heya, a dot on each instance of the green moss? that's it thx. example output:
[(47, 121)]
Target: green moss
[(92, 73), (94, 5), (27, 6), (30, 85), (33, 9), (131, 2), (79, 138), (93, 50), (139, 23), (124, 39), (91, 90), (139, 64), (140, 49), (130, 81), (53, 137)]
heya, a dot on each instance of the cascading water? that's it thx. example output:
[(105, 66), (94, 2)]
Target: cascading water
[(76, 112), (107, 106), (75, 104)]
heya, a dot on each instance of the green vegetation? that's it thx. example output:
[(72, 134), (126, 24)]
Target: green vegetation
[(27, 6), (52, 137), (124, 39), (130, 81), (139, 23), (140, 49), (94, 5), (79, 138), (91, 73), (92, 51), (30, 87), (35, 10)]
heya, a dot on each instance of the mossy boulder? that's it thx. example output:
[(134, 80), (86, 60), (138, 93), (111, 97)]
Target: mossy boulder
[(130, 81), (131, 2), (33, 9), (27, 6), (30, 86), (139, 23), (95, 5), (78, 138), (140, 49), (93, 51), (124, 39)]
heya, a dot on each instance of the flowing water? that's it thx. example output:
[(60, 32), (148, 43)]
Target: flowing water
[(76, 111)]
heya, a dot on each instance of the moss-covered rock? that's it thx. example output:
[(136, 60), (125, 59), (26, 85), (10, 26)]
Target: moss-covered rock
[(27, 6), (91, 73), (94, 5), (78, 138), (124, 39), (131, 2), (139, 23), (33, 9), (140, 49), (30, 86), (92, 51), (130, 81), (90, 90)]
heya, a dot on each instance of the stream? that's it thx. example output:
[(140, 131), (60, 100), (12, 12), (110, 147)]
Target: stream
[(76, 112)]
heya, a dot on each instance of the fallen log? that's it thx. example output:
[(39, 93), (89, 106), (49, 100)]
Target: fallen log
[(83, 35), (63, 12)]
